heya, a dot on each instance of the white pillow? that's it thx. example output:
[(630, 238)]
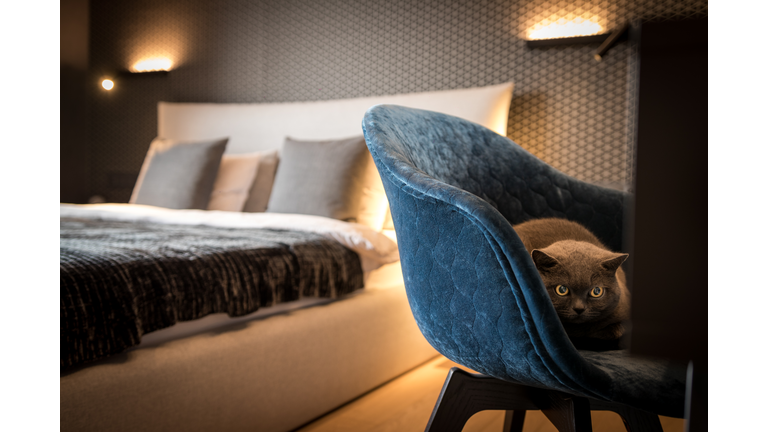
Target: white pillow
[(233, 182), (374, 206)]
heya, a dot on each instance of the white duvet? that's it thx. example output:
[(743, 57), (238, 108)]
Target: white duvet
[(374, 248)]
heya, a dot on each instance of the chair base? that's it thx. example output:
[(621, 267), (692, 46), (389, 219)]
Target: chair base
[(465, 394)]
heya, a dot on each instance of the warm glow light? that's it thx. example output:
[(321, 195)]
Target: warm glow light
[(152, 65), (563, 27), (390, 233), (107, 84)]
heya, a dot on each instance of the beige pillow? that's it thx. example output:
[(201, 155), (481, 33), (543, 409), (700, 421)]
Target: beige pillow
[(388, 223), (261, 189), (178, 174), (374, 206), (333, 178), (233, 183)]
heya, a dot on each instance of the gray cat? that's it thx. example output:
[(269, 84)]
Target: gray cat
[(583, 278)]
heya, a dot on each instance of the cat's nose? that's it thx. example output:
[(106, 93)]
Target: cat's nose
[(579, 310)]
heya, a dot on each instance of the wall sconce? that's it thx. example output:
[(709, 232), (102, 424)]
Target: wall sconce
[(148, 67), (570, 33), (565, 28), (152, 65)]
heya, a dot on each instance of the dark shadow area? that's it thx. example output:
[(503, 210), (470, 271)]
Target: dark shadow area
[(75, 154)]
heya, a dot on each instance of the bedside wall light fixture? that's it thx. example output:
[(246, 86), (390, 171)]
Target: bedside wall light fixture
[(563, 28), (147, 67), (152, 65), (575, 31)]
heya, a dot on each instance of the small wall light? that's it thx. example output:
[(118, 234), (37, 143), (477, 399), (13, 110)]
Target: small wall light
[(152, 65), (577, 31), (563, 28), (144, 68)]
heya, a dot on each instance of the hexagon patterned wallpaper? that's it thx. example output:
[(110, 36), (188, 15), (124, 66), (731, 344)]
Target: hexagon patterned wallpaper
[(569, 110)]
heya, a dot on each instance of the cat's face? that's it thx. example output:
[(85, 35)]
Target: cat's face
[(580, 279)]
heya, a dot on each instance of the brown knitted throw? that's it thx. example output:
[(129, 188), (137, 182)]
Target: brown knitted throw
[(120, 280)]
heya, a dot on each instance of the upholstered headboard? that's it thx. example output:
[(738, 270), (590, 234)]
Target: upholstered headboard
[(264, 126)]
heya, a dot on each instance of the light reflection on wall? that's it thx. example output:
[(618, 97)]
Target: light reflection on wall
[(159, 38)]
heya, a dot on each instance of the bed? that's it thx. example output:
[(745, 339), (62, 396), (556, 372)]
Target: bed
[(277, 357)]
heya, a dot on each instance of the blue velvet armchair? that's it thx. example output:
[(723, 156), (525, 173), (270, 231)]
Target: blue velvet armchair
[(455, 189)]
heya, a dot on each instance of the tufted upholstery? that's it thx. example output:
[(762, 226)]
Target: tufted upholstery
[(455, 189)]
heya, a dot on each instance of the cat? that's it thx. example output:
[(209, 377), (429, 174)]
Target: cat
[(583, 278)]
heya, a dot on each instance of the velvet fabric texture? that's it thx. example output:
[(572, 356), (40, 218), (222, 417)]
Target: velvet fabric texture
[(455, 189)]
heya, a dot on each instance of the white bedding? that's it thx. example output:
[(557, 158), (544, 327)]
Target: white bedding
[(374, 248)]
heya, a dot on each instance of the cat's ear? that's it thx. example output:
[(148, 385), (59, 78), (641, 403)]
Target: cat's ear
[(543, 261), (612, 264)]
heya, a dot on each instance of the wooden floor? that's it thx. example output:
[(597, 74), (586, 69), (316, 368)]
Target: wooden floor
[(405, 404)]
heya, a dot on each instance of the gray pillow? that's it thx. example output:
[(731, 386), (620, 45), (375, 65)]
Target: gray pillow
[(335, 179), (178, 174)]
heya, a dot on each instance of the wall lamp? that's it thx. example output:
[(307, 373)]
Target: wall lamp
[(606, 40), (144, 68)]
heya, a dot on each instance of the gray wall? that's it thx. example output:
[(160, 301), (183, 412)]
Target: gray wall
[(568, 109), (75, 153)]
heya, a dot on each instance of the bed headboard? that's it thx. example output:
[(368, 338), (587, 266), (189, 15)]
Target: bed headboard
[(264, 126)]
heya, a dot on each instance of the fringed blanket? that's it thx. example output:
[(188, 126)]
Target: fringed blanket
[(120, 280)]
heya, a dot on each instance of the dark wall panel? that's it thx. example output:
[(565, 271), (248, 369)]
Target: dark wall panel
[(568, 109), (74, 159)]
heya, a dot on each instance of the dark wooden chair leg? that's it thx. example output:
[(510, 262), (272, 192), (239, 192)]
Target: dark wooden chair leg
[(513, 420), (465, 394), (567, 413), (641, 421), (635, 420)]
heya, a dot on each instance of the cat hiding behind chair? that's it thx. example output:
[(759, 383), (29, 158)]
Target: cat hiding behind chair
[(583, 278)]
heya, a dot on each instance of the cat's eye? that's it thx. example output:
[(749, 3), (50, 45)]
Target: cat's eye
[(561, 290), (596, 292)]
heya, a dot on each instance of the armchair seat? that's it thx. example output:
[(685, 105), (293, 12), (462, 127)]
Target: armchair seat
[(455, 190)]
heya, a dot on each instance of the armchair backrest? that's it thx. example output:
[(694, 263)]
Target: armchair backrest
[(513, 181), (455, 189)]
